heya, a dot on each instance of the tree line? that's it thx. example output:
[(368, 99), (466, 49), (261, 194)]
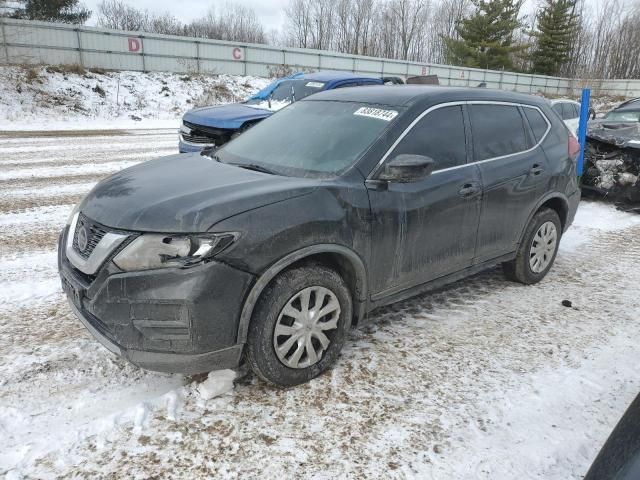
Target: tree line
[(572, 38)]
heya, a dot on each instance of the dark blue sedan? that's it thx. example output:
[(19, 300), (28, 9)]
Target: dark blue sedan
[(214, 126)]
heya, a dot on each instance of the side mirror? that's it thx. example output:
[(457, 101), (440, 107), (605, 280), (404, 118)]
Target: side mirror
[(209, 151), (406, 168)]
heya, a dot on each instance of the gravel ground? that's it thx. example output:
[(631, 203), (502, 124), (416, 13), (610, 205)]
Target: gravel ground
[(484, 379)]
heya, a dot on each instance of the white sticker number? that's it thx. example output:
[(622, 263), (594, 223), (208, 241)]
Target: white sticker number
[(379, 113)]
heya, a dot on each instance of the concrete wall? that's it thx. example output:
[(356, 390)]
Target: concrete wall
[(27, 42)]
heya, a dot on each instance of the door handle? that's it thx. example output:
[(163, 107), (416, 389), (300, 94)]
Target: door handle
[(536, 169), (468, 190)]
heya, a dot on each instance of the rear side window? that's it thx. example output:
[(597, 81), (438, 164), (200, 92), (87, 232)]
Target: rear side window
[(439, 135), (536, 122), (498, 130), (568, 111), (576, 109), (557, 107)]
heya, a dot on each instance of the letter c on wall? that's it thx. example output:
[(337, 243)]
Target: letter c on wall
[(134, 44), (237, 53)]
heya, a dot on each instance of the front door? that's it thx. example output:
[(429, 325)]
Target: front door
[(426, 229)]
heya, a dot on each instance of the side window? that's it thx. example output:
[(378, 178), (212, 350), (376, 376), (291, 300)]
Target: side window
[(439, 135), (576, 110), (557, 107), (567, 111), (536, 122), (498, 130)]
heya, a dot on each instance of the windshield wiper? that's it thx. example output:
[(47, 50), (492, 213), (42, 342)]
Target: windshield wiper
[(255, 167)]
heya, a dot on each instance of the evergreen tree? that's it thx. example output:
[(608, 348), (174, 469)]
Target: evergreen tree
[(557, 26), (486, 37), (63, 11)]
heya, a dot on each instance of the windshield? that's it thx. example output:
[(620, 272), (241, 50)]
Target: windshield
[(623, 116), (310, 138), (285, 93), (291, 90)]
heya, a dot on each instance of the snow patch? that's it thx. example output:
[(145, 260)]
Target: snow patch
[(593, 218), (217, 383)]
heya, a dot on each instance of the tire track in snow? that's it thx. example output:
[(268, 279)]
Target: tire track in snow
[(64, 170), (49, 216), (81, 147), (90, 156), (47, 192)]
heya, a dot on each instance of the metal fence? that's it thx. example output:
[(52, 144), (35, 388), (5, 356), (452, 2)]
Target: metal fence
[(28, 42)]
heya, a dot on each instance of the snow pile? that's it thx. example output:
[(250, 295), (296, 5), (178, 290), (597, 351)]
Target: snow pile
[(69, 97), (217, 383)]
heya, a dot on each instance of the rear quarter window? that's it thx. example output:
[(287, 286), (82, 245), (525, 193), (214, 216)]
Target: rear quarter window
[(498, 130), (536, 122), (568, 111)]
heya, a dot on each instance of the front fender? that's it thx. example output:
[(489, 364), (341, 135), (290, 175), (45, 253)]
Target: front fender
[(262, 282)]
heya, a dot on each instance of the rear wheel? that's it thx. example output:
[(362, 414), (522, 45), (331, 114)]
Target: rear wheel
[(299, 325), (537, 252)]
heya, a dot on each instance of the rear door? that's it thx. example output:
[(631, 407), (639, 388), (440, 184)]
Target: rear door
[(514, 174), (426, 229)]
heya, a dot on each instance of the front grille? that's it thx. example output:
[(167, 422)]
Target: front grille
[(198, 139), (201, 134), (94, 232)]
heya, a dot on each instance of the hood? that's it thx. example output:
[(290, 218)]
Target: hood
[(225, 116), (620, 134), (184, 194)]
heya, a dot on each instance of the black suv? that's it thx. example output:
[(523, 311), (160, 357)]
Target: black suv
[(270, 248)]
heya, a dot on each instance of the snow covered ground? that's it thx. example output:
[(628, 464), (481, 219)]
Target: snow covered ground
[(485, 379), (60, 98)]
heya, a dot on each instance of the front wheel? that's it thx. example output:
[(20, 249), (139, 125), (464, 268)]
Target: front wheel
[(537, 252), (299, 325)]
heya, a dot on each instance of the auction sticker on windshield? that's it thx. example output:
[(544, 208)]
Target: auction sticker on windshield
[(379, 113), (314, 84)]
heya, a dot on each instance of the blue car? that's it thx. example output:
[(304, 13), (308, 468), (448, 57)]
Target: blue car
[(214, 126)]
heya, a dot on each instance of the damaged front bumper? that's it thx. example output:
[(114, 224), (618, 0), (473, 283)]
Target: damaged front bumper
[(612, 163), (171, 320)]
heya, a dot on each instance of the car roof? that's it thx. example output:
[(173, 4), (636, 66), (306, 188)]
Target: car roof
[(406, 95), (332, 76), (563, 100)]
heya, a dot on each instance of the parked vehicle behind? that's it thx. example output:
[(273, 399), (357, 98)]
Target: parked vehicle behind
[(626, 112), (214, 126), (270, 248), (569, 112)]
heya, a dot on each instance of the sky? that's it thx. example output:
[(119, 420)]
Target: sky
[(269, 12)]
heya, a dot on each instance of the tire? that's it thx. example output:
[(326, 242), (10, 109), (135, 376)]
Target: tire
[(524, 268), (324, 290)]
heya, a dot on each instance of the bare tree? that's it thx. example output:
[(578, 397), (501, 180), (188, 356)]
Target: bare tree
[(117, 14), (233, 23)]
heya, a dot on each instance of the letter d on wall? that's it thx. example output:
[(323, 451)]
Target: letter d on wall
[(134, 44)]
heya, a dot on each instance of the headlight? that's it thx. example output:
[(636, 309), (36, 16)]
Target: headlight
[(157, 251)]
